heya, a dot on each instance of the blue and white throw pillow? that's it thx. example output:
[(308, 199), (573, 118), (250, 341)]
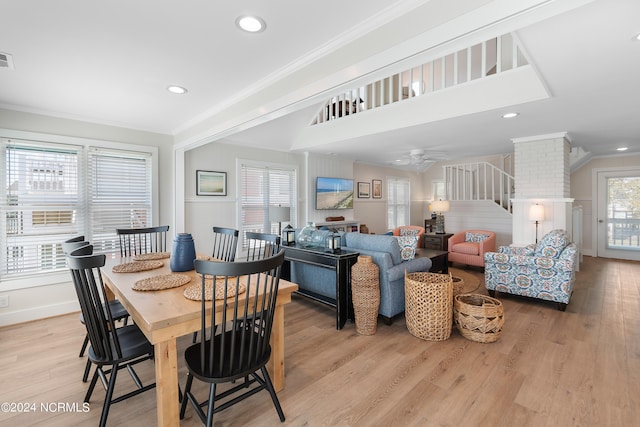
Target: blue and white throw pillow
[(475, 237), (407, 247)]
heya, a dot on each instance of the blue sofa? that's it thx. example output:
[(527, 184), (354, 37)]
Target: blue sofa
[(385, 252)]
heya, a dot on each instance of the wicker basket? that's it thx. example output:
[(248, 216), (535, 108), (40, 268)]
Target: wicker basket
[(458, 285), (365, 290), (428, 305), (478, 317)]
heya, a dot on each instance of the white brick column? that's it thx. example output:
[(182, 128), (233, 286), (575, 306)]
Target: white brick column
[(541, 177)]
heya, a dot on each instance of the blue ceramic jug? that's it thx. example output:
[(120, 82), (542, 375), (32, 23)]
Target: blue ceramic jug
[(183, 253)]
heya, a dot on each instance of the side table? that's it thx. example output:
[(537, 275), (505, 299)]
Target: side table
[(439, 242)]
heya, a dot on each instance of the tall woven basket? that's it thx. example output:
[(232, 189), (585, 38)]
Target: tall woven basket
[(365, 293), (428, 305), (478, 317)]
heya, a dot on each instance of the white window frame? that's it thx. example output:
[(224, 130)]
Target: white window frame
[(259, 164), (391, 197), (56, 277)]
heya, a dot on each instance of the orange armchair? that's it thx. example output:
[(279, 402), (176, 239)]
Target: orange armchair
[(414, 230), (469, 246)]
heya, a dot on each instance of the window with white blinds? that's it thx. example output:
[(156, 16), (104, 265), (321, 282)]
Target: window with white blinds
[(263, 185), (119, 192), (56, 191), (398, 202)]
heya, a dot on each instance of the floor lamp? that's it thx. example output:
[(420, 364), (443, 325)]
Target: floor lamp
[(279, 214), (536, 214)]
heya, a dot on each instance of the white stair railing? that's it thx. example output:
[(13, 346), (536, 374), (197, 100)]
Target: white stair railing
[(479, 181), (482, 60)]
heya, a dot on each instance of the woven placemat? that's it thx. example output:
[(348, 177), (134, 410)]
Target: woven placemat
[(133, 267), (164, 281), (152, 256), (194, 292)]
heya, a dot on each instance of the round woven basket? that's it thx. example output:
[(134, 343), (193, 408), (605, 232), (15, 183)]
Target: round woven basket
[(365, 293), (428, 305), (478, 317)]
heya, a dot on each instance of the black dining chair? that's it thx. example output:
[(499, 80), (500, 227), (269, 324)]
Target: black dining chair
[(234, 353), (261, 245), (111, 348), (139, 241), (225, 243), (118, 312)]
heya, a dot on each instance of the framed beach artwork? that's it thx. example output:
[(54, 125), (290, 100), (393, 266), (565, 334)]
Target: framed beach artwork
[(363, 190), (209, 183), (377, 188)]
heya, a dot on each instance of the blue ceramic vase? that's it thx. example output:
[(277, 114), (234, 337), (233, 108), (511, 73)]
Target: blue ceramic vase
[(183, 253)]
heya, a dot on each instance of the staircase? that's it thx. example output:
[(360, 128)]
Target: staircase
[(479, 181)]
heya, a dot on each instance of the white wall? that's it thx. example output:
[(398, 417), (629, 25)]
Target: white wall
[(583, 192), (59, 298)]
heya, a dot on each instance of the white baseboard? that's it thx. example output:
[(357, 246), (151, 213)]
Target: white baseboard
[(39, 312)]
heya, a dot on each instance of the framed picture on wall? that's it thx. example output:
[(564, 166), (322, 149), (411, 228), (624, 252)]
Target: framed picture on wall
[(363, 190), (209, 183), (377, 188)]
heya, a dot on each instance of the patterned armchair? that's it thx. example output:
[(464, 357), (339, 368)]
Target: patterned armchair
[(544, 271)]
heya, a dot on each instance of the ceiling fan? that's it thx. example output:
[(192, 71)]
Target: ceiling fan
[(419, 157)]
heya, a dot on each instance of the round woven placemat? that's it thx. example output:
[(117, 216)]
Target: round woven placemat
[(152, 256), (133, 267), (164, 281), (194, 292)]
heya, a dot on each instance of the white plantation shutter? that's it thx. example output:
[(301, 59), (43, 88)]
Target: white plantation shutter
[(263, 185), (119, 193), (41, 206), (54, 191), (398, 202)]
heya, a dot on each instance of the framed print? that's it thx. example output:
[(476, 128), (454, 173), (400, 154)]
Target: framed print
[(377, 188), (363, 190), (209, 183)]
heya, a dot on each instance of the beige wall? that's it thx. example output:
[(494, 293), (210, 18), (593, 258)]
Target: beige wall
[(373, 212), (57, 298)]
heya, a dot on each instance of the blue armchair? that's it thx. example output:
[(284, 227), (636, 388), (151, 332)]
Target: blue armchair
[(544, 271)]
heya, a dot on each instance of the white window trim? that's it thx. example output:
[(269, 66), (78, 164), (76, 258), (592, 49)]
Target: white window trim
[(35, 280), (261, 164)]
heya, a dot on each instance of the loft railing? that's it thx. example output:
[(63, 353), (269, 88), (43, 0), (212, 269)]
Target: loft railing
[(488, 58), (479, 181)]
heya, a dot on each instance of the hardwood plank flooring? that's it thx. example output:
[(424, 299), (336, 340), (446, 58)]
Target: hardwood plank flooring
[(549, 368)]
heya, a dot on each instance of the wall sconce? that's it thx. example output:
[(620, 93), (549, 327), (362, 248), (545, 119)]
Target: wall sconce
[(439, 207), (536, 214), (288, 235), (333, 242)]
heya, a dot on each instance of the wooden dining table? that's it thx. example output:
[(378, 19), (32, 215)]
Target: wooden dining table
[(164, 315)]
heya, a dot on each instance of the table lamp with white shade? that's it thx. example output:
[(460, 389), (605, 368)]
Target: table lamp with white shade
[(279, 214), (440, 206)]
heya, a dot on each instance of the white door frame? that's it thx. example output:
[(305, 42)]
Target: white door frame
[(599, 209)]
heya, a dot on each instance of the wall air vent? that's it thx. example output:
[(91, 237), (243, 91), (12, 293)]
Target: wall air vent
[(6, 60)]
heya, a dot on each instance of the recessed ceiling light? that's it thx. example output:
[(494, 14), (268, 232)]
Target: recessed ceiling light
[(636, 38), (622, 148), (176, 89), (510, 115), (251, 24)]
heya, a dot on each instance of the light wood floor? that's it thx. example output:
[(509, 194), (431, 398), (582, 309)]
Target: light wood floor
[(549, 368)]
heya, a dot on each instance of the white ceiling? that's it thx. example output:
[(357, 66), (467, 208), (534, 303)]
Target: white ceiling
[(110, 62)]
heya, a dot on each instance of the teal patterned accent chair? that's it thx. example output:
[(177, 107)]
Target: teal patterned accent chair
[(545, 270)]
